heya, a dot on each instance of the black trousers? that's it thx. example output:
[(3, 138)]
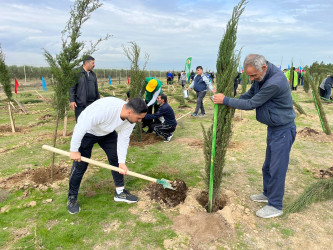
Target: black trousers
[(79, 109), (164, 130), (109, 144)]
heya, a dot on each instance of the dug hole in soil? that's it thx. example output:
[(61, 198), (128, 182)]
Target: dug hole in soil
[(37, 176)]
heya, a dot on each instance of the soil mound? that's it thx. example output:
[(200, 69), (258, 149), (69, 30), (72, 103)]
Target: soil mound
[(324, 174), (46, 117), (196, 143), (147, 139), (169, 197), (8, 128), (307, 132), (35, 176), (218, 204)]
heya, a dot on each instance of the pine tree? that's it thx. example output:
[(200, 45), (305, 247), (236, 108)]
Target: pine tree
[(226, 66), (245, 82), (65, 65), (306, 82), (5, 82), (319, 107), (137, 83)]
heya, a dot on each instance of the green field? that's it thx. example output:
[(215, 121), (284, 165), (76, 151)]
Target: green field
[(30, 220)]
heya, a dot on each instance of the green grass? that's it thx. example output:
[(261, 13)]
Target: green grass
[(50, 226)]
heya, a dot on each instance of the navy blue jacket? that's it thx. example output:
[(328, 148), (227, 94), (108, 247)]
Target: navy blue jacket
[(329, 81), (271, 98), (167, 112)]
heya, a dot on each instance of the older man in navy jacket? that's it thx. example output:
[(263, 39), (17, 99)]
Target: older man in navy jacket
[(270, 95)]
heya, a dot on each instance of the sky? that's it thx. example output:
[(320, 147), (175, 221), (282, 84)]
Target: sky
[(170, 31)]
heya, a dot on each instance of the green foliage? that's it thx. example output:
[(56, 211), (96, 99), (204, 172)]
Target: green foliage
[(4, 76), (298, 107), (137, 82), (64, 66), (322, 68), (226, 66), (306, 81), (319, 191), (245, 81), (319, 106)]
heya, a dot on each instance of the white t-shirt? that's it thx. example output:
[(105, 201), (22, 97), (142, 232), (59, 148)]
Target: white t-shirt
[(100, 118)]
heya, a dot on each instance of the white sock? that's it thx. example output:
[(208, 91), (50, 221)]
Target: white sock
[(119, 190)]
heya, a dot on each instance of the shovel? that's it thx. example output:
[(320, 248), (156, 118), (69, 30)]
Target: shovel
[(165, 183)]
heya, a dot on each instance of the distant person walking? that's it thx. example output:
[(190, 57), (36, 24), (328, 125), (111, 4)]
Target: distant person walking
[(200, 84), (85, 91), (183, 79), (295, 79)]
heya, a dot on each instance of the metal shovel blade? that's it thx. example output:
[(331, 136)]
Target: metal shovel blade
[(165, 183)]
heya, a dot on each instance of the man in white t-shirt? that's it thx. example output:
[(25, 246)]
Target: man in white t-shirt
[(109, 122)]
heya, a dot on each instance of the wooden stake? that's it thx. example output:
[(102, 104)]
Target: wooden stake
[(20, 105), (11, 118), (40, 95), (64, 132)]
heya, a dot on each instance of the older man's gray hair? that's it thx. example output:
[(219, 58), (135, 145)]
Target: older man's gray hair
[(255, 60)]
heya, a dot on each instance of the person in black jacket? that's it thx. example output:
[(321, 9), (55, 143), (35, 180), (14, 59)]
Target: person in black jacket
[(85, 91), (167, 117)]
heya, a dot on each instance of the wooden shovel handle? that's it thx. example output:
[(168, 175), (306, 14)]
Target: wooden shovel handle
[(100, 164)]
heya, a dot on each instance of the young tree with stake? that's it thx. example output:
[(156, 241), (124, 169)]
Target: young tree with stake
[(64, 65), (5, 82)]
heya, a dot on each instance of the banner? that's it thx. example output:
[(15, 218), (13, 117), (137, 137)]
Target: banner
[(44, 84), (188, 67), (16, 85), (110, 80)]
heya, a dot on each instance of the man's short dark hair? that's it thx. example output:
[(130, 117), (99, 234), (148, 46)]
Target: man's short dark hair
[(137, 105), (128, 93), (87, 59), (199, 67), (164, 97)]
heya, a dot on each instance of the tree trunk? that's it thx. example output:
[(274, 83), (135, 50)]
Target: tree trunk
[(12, 123), (64, 132), (54, 145)]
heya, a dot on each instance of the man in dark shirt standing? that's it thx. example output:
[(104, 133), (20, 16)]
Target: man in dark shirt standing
[(270, 95), (85, 91), (167, 117)]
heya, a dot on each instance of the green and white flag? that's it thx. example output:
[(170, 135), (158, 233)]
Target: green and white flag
[(188, 67)]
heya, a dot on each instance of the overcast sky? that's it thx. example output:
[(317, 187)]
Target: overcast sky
[(172, 30)]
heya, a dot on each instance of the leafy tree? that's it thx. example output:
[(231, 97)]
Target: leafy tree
[(226, 65), (245, 81), (137, 83), (306, 82), (64, 66), (5, 82)]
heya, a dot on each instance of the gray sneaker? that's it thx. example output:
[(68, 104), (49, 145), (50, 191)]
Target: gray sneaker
[(269, 212), (259, 198), (72, 206), (201, 115)]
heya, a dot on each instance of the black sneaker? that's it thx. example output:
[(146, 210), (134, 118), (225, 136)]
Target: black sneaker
[(167, 139), (72, 206), (125, 196)]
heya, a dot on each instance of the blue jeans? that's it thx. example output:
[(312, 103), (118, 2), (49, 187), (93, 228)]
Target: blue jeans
[(276, 164), (328, 90)]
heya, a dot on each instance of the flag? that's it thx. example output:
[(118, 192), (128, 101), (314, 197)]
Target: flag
[(300, 68), (127, 80), (288, 66), (44, 84), (110, 80), (280, 67), (188, 66), (16, 85)]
